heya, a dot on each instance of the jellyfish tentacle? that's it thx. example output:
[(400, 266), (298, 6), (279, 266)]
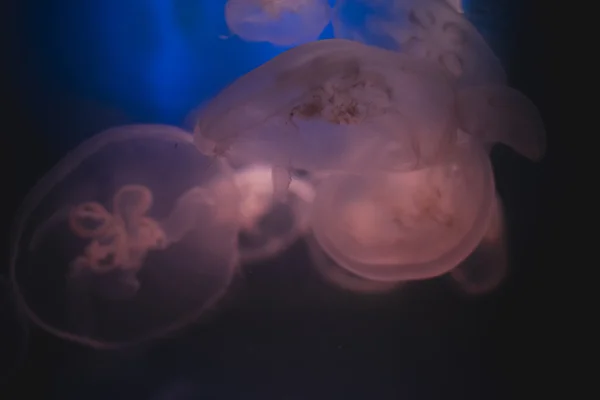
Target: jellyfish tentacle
[(89, 212)]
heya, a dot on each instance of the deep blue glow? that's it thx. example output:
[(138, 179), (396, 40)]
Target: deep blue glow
[(154, 59)]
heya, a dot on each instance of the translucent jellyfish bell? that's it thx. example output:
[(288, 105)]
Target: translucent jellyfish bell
[(269, 225), (124, 240), (406, 226), (341, 278), (501, 114), (429, 29), (281, 22), (333, 105), (486, 268)]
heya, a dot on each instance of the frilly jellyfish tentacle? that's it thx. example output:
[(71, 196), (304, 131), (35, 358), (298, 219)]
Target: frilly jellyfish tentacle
[(130, 204), (502, 114), (85, 213)]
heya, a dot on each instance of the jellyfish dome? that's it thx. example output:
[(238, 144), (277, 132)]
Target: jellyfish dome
[(123, 240), (333, 105), (406, 226), (280, 22), (430, 29)]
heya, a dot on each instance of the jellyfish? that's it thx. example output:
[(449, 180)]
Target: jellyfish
[(269, 225), (130, 237), (486, 268), (406, 226), (280, 22), (430, 29), (333, 105), (341, 278)]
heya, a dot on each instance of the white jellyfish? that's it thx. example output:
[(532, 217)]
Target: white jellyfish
[(341, 278), (268, 224), (333, 105), (429, 29), (486, 268), (406, 226), (124, 240), (281, 22)]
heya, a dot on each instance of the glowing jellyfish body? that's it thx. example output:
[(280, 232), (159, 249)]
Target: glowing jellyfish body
[(429, 29), (341, 278), (268, 226), (333, 105), (407, 226), (486, 268), (128, 240), (281, 22)]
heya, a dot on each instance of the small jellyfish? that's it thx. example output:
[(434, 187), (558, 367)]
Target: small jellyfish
[(486, 268), (406, 226), (124, 240), (268, 225), (429, 29), (501, 114), (280, 22), (333, 105), (341, 278)]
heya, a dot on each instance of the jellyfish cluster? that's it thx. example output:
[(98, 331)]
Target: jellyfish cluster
[(371, 147)]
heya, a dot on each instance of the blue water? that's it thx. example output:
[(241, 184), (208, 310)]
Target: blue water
[(148, 58)]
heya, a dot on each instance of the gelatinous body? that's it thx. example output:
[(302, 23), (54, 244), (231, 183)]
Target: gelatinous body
[(429, 29), (501, 114), (129, 240), (268, 225), (486, 268), (333, 105), (281, 22), (406, 226), (341, 278)]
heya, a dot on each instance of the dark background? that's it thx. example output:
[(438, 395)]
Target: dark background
[(73, 68)]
